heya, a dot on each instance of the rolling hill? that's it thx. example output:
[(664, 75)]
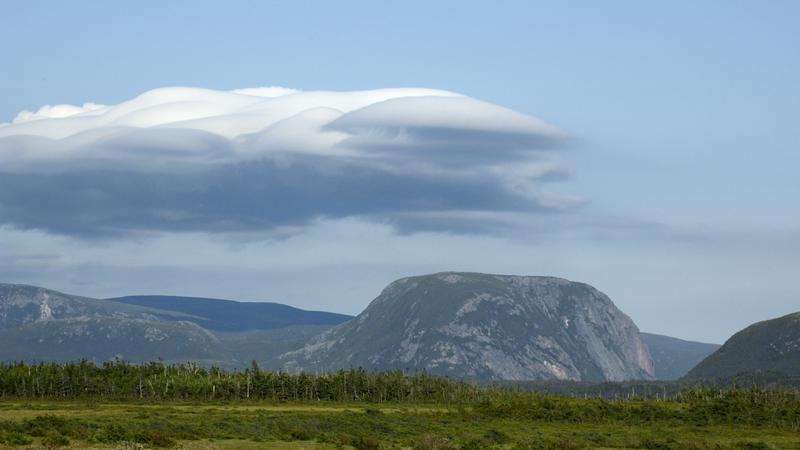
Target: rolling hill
[(768, 346)]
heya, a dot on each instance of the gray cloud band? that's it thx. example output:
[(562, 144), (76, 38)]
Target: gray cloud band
[(388, 155)]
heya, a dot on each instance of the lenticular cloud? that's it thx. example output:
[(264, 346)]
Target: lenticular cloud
[(262, 158)]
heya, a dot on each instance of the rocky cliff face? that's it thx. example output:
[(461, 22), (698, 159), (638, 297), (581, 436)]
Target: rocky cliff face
[(23, 305), (38, 324), (771, 345), (486, 327)]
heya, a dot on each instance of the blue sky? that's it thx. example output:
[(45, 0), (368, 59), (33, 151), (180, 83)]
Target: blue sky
[(682, 148)]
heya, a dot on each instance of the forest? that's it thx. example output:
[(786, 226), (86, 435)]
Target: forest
[(119, 405)]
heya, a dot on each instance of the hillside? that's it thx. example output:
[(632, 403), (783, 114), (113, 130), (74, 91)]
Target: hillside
[(485, 327), (38, 324), (101, 339), (673, 357), (768, 346), (228, 315), (22, 304), (458, 324)]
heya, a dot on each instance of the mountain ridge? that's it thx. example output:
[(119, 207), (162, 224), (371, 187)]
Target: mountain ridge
[(674, 357), (771, 345), (474, 325), (231, 315), (41, 324)]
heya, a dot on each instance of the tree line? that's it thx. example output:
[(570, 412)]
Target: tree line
[(121, 381), (155, 381)]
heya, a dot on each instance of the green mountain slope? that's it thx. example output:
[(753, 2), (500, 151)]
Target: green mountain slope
[(771, 345), (673, 357), (485, 327), (228, 315)]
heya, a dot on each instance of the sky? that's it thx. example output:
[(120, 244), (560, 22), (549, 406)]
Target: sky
[(309, 153)]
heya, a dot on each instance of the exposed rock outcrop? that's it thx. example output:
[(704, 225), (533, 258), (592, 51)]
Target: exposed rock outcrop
[(470, 325)]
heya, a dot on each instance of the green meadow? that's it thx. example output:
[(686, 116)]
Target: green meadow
[(630, 424), (120, 406)]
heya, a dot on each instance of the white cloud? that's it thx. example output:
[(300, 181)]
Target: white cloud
[(264, 121), (262, 158), (58, 112), (228, 113)]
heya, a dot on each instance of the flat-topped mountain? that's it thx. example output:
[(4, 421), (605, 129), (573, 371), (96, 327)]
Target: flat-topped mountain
[(485, 327), (769, 346)]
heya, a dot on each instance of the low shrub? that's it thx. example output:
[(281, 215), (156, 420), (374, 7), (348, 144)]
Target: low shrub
[(548, 444), (429, 442), (366, 443), (15, 438), (751, 445), (155, 438), (495, 436), (54, 440)]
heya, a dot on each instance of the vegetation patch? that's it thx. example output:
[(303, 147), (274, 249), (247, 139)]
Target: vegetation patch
[(84, 406)]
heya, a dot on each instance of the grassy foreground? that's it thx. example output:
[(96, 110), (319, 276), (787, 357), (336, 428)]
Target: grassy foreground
[(122, 406), (62, 424)]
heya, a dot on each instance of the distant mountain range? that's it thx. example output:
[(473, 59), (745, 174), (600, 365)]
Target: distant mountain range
[(38, 324), (458, 324), (228, 315), (672, 357)]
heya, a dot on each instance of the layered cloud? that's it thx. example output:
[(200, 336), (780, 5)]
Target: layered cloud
[(271, 159)]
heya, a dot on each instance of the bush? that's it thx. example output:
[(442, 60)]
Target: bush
[(15, 438), (54, 439), (491, 439), (155, 438), (299, 434), (338, 439), (654, 444), (366, 443), (496, 437), (547, 444), (429, 442), (475, 444), (372, 411), (43, 425), (750, 445), (130, 446), (113, 433)]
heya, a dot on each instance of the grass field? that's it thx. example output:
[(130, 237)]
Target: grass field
[(123, 406), (237, 425)]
